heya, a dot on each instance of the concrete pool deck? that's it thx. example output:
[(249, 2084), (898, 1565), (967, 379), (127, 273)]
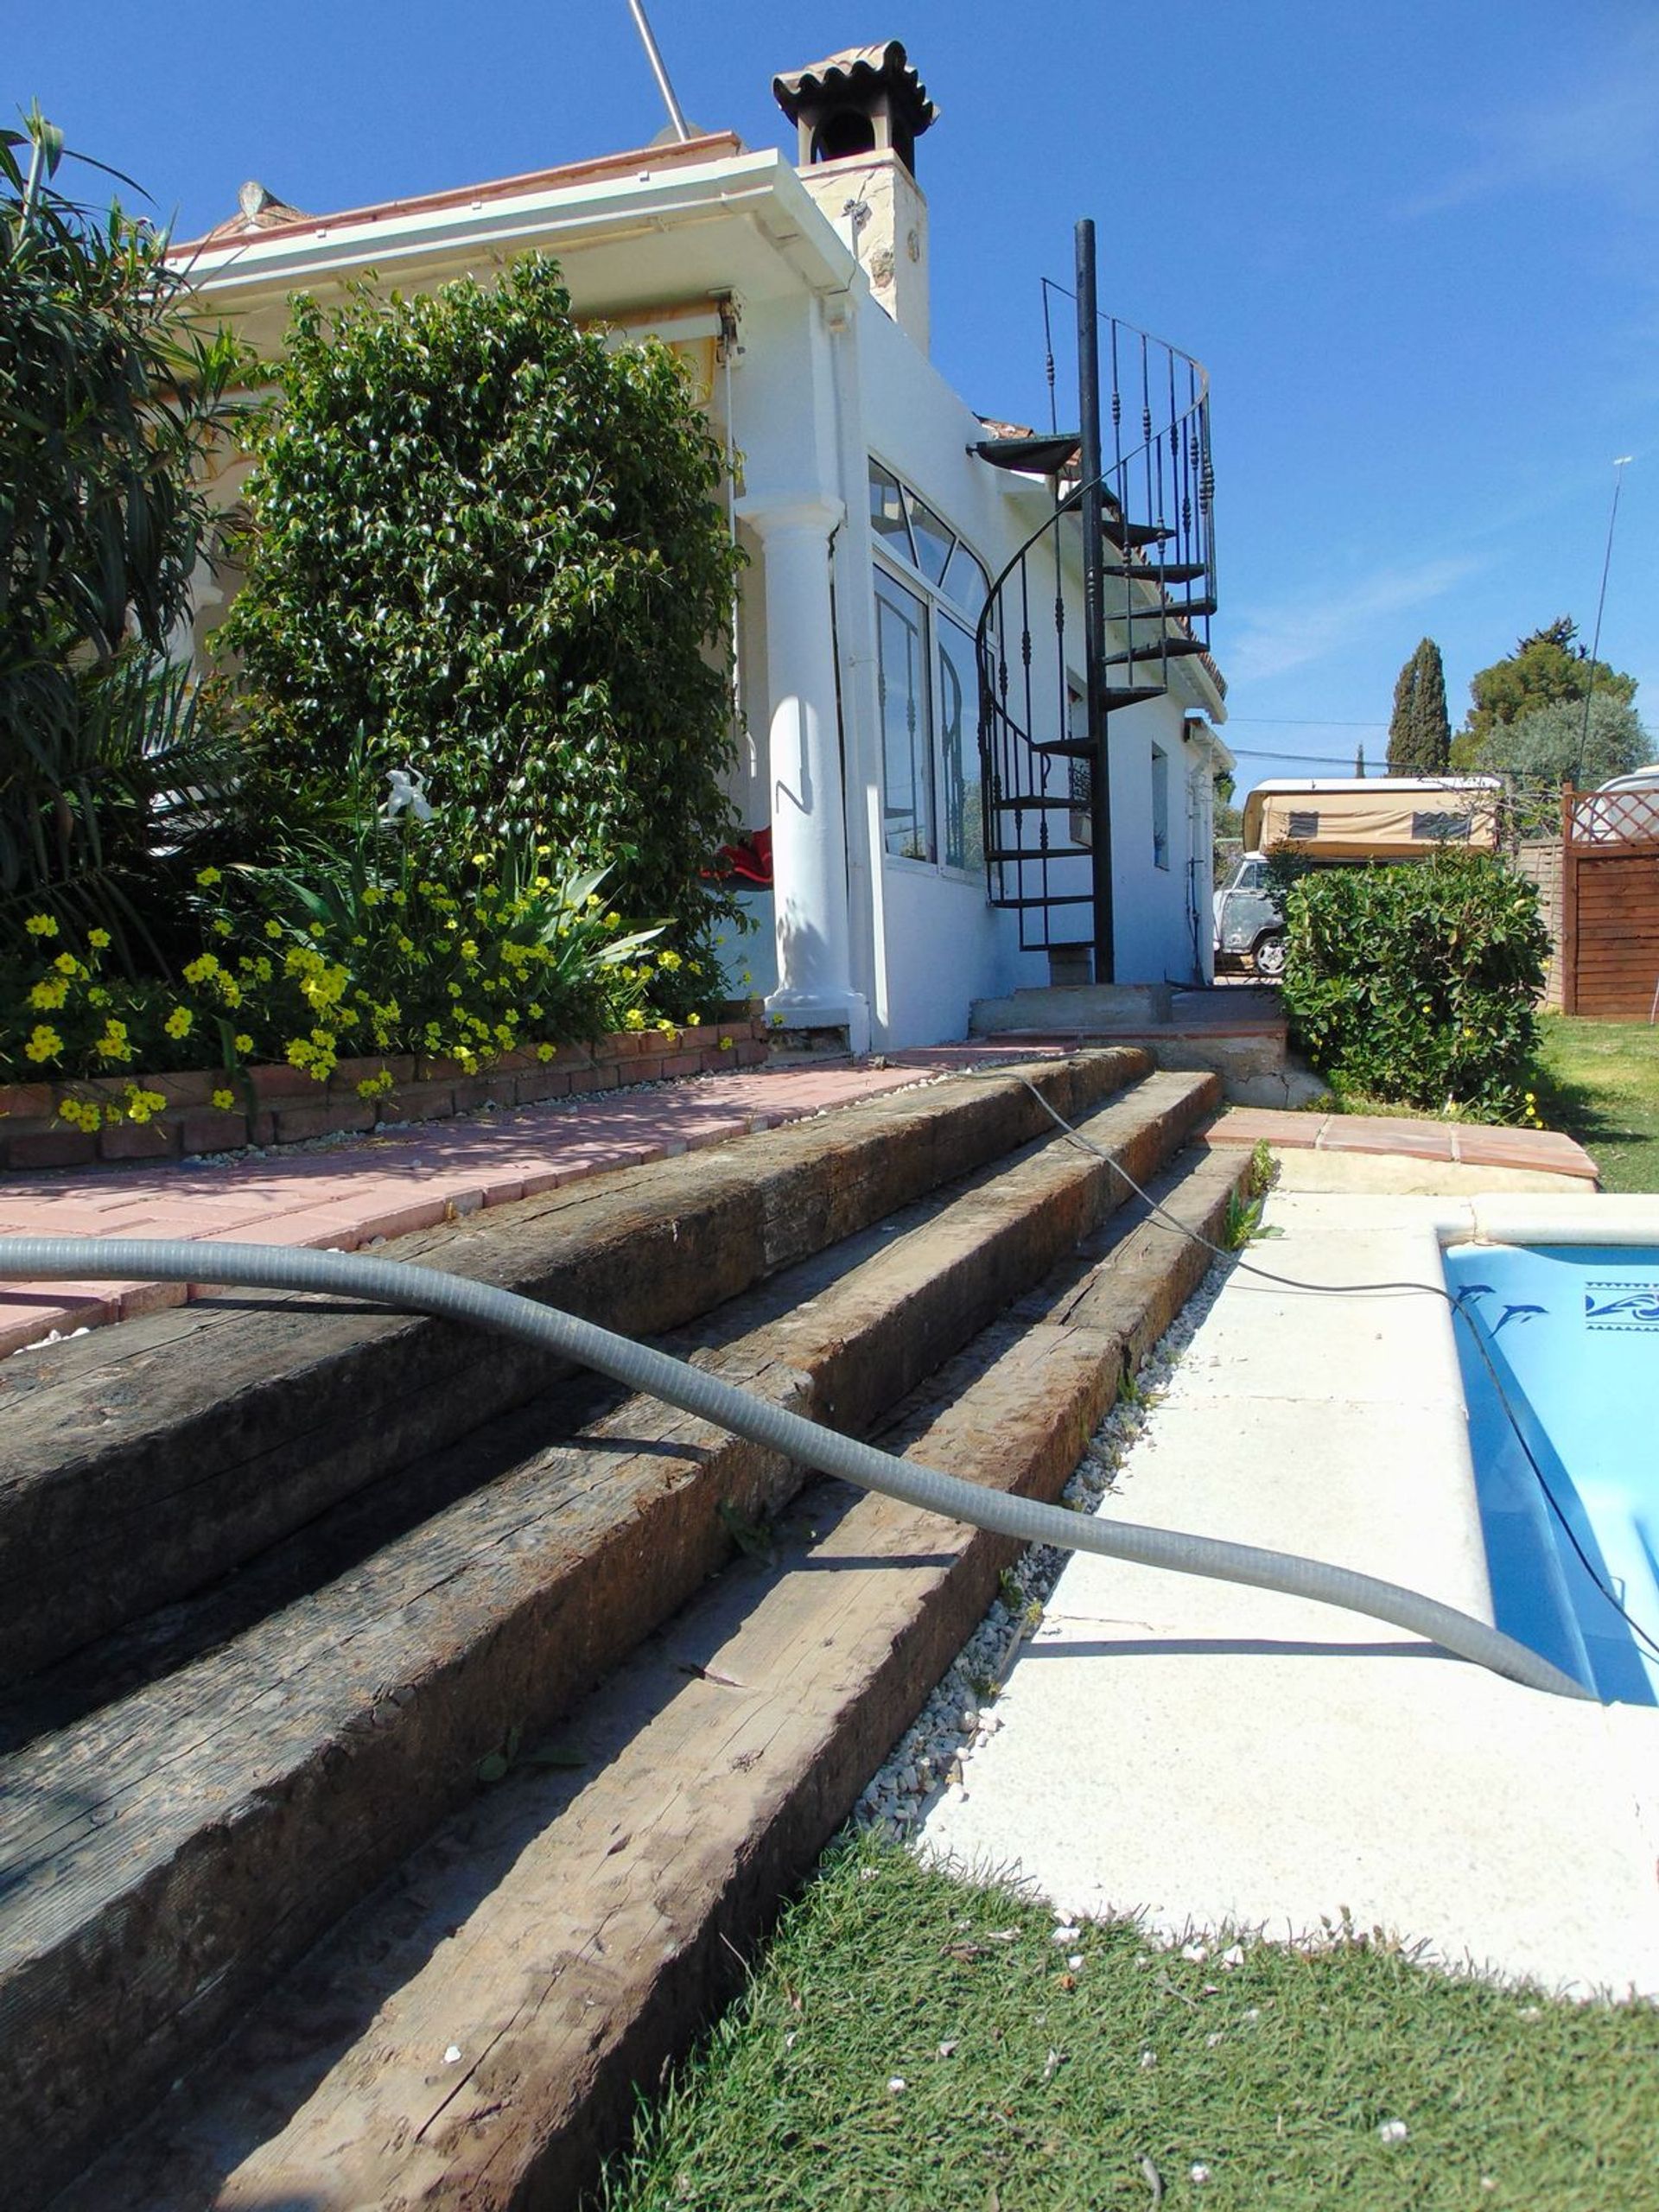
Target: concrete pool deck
[(1203, 1755)]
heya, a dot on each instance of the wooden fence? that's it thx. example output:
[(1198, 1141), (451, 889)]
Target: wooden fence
[(1610, 904)]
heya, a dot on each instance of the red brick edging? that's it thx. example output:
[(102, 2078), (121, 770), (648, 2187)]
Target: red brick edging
[(283, 1105)]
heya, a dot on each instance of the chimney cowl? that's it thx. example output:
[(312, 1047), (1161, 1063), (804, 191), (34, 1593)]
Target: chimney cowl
[(865, 99)]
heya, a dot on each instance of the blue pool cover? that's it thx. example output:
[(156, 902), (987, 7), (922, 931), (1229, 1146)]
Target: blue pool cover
[(1574, 1334)]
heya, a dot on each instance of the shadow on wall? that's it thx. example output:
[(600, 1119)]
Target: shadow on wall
[(748, 958)]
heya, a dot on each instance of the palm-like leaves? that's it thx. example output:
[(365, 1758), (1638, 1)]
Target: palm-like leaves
[(110, 395)]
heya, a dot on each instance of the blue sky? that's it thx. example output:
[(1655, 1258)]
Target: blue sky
[(1416, 244)]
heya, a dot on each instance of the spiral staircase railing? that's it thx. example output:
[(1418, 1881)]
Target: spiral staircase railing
[(1157, 591)]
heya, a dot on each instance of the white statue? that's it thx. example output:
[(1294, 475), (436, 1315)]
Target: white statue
[(408, 795)]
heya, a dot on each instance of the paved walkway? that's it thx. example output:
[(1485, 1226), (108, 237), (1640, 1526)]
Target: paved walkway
[(1205, 1754), (411, 1178), (1470, 1144)]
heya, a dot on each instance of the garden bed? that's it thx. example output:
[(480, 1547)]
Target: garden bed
[(179, 1116)]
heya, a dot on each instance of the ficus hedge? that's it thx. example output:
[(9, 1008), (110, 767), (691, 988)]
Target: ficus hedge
[(1417, 983), (485, 546)]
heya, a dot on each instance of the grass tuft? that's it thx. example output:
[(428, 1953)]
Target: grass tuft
[(918, 2044)]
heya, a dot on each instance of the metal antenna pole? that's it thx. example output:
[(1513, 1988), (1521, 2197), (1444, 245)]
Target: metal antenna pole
[(1619, 466), (675, 114), (1094, 604)]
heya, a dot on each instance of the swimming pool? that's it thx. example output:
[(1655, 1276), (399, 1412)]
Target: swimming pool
[(1573, 1332)]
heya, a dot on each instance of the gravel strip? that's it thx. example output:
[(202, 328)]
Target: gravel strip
[(935, 1754)]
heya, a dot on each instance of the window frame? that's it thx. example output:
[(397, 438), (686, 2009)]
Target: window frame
[(893, 556)]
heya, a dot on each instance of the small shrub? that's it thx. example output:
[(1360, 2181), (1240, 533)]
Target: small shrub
[(1417, 983), (382, 949)]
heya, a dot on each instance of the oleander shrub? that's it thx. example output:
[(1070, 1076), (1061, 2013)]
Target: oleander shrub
[(486, 546), (1417, 983)]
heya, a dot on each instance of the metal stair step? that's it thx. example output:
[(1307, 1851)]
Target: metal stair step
[(1160, 649)]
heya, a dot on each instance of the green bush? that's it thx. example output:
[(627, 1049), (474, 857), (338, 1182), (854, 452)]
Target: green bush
[(487, 546), (1417, 983)]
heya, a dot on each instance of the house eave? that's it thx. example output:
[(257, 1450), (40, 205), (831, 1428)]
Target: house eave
[(574, 216)]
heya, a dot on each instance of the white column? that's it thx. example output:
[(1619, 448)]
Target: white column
[(809, 821)]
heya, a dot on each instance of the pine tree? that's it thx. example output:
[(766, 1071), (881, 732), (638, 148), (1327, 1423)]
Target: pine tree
[(1420, 735), (1359, 763)]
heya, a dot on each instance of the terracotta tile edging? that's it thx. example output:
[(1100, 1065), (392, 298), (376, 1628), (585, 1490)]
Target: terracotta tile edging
[(278, 1104)]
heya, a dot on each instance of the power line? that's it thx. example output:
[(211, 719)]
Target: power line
[(1292, 721)]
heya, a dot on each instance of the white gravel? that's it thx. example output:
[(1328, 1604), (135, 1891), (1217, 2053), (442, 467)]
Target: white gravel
[(935, 1754)]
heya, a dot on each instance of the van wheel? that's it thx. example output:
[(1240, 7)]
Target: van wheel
[(1271, 957)]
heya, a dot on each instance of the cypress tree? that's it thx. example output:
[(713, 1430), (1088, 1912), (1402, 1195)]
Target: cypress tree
[(1359, 763), (1420, 735)]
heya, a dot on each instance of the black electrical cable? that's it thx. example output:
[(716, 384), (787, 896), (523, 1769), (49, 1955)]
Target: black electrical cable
[(1341, 1289)]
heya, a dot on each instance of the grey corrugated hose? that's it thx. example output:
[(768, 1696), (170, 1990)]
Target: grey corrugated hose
[(427, 1290)]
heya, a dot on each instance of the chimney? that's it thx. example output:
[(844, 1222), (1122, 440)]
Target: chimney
[(859, 114)]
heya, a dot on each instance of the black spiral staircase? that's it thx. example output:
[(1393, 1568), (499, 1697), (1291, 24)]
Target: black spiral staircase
[(1132, 495)]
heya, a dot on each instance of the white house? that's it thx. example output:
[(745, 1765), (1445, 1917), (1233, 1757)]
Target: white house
[(874, 522)]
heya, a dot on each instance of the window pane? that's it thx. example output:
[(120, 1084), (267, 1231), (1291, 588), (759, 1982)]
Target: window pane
[(907, 747), (887, 511), (964, 842), (966, 581), (933, 538)]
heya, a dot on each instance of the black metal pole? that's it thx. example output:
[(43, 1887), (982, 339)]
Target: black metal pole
[(1094, 604)]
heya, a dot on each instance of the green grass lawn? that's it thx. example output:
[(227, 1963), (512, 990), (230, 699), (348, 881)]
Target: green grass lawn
[(917, 2044), (1601, 1085)]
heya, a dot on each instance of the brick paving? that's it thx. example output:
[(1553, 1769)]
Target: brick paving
[(411, 1178), (1467, 1143)]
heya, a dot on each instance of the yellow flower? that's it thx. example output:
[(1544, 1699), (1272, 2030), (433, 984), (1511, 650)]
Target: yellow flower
[(669, 961), (178, 1023), (40, 926), (221, 927), (544, 1052), (66, 964), (242, 1042), (44, 1043), (207, 877), (198, 970), (633, 1019), (725, 1044), (224, 1100), (48, 995), (273, 928), (99, 939), (97, 996)]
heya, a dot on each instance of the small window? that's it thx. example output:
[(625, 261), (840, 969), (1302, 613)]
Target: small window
[(1447, 829), (887, 511), (966, 581), (934, 541), (1159, 807), (1303, 825)]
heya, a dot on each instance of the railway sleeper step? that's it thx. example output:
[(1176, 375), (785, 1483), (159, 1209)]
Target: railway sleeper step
[(171, 1850), (475, 2033), (145, 1461)]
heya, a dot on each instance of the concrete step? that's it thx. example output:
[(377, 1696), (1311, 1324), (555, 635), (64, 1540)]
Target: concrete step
[(181, 1842), (142, 1463), (476, 2033)]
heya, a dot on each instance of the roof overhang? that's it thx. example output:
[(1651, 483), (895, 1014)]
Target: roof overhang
[(632, 232)]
